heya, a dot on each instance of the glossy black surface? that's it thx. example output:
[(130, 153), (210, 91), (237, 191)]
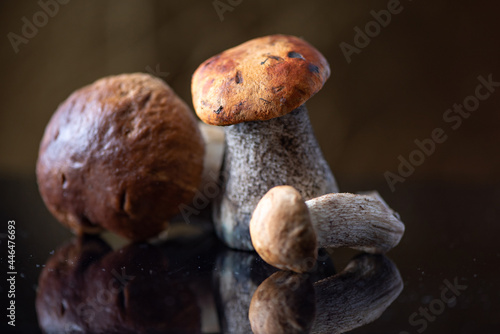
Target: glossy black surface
[(448, 261)]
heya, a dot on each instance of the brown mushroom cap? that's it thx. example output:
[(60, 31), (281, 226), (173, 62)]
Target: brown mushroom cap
[(261, 79), (282, 232), (121, 154)]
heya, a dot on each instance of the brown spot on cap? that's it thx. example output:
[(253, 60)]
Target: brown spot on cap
[(293, 54), (265, 63)]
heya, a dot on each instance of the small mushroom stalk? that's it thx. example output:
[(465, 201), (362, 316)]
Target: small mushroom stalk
[(261, 155), (362, 222), (286, 230)]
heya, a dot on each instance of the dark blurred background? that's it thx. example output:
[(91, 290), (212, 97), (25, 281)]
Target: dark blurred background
[(393, 91)]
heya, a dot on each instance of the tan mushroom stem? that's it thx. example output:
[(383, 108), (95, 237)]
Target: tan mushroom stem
[(261, 155), (286, 231)]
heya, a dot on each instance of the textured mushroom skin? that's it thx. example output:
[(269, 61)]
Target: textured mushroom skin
[(120, 154), (363, 222), (261, 79), (259, 156)]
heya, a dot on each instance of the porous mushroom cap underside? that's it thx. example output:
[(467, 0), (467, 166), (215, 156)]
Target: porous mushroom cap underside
[(264, 78)]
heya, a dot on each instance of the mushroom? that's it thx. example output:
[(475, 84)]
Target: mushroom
[(286, 230), (287, 302), (120, 154), (258, 91)]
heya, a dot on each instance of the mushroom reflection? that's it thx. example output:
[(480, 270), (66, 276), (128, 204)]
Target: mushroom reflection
[(86, 287), (290, 303), (236, 277)]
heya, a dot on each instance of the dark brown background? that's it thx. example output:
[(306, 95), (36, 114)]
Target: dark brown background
[(369, 112)]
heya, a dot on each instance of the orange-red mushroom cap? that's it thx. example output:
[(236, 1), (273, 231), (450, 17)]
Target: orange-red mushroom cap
[(261, 79)]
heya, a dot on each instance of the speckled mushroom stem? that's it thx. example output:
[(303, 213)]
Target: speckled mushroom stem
[(363, 222), (259, 156)]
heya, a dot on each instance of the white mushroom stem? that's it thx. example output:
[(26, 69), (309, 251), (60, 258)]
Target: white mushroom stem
[(363, 222), (214, 152), (196, 212)]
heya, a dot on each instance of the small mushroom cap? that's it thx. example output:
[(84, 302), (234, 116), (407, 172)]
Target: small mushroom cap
[(264, 78), (281, 230)]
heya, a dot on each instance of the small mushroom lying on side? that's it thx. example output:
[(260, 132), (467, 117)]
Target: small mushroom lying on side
[(287, 302), (120, 154), (258, 91), (286, 230)]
